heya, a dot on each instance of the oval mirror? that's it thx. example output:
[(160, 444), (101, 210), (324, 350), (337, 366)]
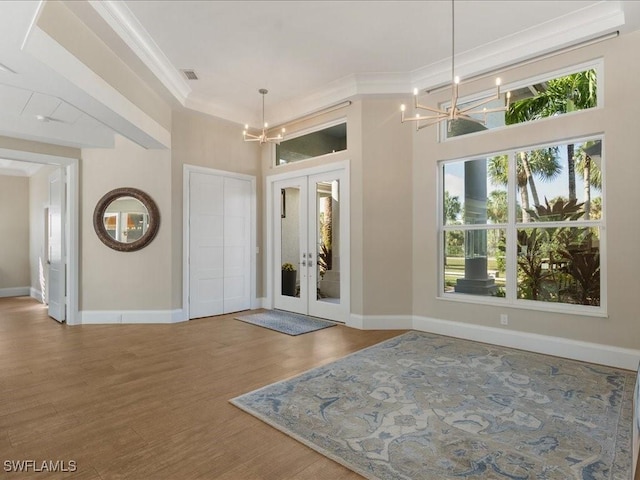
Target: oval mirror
[(126, 219)]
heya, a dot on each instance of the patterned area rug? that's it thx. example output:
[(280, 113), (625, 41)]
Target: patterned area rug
[(286, 322), (424, 406)]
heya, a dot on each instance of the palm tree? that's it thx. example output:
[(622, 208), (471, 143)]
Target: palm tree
[(542, 163), (452, 207), (497, 210), (591, 173), (573, 92)]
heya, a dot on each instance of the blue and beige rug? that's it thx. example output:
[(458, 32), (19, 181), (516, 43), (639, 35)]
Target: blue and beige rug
[(286, 322), (424, 406)]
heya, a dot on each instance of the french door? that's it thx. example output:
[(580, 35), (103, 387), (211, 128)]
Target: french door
[(311, 253)]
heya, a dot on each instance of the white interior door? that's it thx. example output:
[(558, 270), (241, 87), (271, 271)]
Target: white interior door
[(311, 233), (56, 255), (219, 244), (206, 245), (237, 245)]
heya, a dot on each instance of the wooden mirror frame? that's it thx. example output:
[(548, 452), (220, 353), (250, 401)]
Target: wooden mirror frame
[(103, 204)]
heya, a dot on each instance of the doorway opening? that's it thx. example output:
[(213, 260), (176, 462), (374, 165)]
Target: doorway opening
[(59, 252)]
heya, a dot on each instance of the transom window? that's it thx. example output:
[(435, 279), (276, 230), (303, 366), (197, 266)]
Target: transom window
[(526, 227), (326, 140), (546, 96)]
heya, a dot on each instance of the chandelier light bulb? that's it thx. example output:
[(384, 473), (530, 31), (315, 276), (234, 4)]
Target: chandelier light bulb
[(415, 91), (403, 107), (498, 81), (456, 80)]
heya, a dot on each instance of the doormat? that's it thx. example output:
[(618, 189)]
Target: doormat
[(286, 322)]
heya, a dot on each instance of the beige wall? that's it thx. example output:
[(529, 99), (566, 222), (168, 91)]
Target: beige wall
[(205, 141), (14, 232), (618, 121), (112, 280), (38, 201), (387, 210)]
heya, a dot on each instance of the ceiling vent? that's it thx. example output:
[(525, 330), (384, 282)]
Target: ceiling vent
[(190, 74)]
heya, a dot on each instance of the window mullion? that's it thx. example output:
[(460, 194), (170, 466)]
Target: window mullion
[(512, 243)]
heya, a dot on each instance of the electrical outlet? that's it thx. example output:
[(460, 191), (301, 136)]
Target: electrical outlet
[(504, 319)]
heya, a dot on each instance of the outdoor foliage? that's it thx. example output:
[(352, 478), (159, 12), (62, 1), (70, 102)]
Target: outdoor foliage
[(559, 264)]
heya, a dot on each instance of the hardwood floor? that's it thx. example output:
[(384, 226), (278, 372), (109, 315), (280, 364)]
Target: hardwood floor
[(151, 401)]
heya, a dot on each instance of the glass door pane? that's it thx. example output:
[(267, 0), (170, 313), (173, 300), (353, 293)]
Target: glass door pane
[(327, 236), (290, 241), (291, 267)]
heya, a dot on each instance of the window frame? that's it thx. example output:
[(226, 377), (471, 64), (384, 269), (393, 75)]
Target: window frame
[(510, 299)]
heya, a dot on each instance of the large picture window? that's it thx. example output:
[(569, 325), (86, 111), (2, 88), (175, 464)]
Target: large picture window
[(525, 227)]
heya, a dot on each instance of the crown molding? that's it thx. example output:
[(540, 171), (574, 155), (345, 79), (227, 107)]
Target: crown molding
[(557, 34), (128, 28), (223, 111)]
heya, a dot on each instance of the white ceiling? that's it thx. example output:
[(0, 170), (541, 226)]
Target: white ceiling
[(308, 54), (312, 53)]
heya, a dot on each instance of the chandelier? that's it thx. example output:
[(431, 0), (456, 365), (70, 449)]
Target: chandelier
[(262, 138), (453, 112)]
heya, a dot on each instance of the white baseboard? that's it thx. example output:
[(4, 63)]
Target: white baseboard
[(100, 317), (179, 315), (561, 347), (37, 294), (15, 292), (380, 322)]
